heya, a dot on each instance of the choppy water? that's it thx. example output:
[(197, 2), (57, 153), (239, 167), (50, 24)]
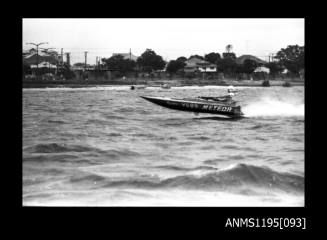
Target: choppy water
[(106, 146)]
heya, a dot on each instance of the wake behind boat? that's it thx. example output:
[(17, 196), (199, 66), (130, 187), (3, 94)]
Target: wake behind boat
[(199, 105)]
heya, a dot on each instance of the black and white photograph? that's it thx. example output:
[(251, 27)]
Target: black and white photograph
[(159, 112)]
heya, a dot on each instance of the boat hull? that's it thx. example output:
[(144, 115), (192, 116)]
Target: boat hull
[(231, 111)]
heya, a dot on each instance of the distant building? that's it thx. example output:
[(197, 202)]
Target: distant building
[(262, 69), (33, 59), (198, 65), (81, 67), (126, 56), (44, 65), (241, 59)]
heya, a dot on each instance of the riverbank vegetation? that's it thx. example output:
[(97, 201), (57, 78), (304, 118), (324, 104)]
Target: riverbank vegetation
[(211, 69)]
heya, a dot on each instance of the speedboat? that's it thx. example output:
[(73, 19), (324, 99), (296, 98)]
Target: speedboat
[(222, 106), (138, 87), (165, 86)]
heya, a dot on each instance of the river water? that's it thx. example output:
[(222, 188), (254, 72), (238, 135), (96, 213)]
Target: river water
[(106, 146)]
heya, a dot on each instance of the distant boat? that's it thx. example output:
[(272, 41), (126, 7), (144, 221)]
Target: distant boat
[(266, 83), (137, 87), (165, 86), (287, 84)]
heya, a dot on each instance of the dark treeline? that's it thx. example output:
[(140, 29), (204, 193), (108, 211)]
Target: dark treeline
[(151, 65)]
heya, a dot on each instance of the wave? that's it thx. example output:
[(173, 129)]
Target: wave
[(59, 154), (215, 161), (200, 138), (57, 148), (56, 121), (87, 178), (113, 134), (175, 122), (97, 121), (112, 117), (178, 168), (241, 178), (261, 126), (60, 158), (118, 154)]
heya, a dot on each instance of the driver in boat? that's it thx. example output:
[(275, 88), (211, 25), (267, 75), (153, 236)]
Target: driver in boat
[(231, 93), (226, 98)]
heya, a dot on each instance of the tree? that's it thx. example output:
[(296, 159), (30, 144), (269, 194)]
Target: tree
[(239, 68), (292, 58), (175, 65), (79, 64), (229, 48), (181, 59), (150, 61), (67, 72), (229, 55), (212, 57), (249, 66), (118, 63), (196, 56), (26, 68), (274, 67), (227, 65)]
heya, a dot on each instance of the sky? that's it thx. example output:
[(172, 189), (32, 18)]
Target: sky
[(170, 38)]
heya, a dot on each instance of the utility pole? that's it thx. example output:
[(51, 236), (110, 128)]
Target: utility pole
[(130, 54), (47, 51), (272, 57), (62, 59), (68, 59), (37, 55), (85, 54)]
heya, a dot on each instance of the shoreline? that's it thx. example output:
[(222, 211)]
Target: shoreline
[(156, 83)]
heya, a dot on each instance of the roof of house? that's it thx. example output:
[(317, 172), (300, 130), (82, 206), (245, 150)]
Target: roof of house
[(241, 59), (44, 65), (194, 62), (43, 57), (197, 64), (262, 69), (126, 55)]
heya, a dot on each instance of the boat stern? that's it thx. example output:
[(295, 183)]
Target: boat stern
[(238, 112)]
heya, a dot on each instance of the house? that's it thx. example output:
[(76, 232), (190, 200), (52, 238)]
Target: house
[(285, 71), (126, 56), (241, 59), (77, 68), (198, 65), (44, 65), (81, 67), (262, 69)]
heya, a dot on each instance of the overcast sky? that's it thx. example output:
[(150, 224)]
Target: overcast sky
[(170, 38)]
